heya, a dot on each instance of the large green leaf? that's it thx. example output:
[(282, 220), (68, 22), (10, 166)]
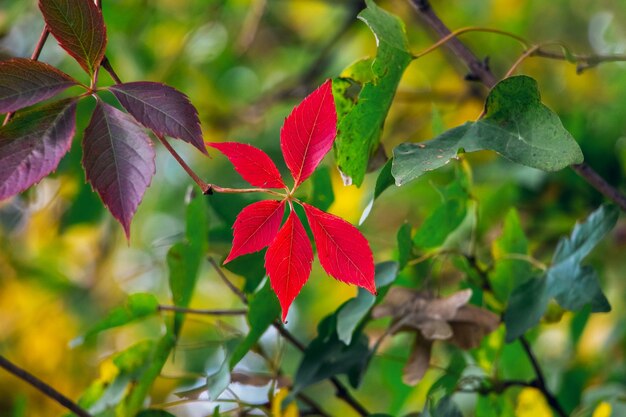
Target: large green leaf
[(444, 220), (572, 285), (516, 125), (354, 310), (184, 258), (360, 128), (262, 311)]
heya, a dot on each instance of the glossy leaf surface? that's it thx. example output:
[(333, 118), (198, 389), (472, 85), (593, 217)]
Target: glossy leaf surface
[(516, 125), (119, 161), (32, 145), (24, 82)]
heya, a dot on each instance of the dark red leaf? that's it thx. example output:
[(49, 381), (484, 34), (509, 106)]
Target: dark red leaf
[(119, 161), (343, 251), (32, 145), (163, 109), (78, 26), (254, 165), (288, 261), (256, 227), (24, 82), (309, 132)]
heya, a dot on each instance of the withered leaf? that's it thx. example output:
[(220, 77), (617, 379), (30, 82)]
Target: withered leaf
[(431, 318)]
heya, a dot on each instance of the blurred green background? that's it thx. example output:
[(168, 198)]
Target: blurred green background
[(64, 262)]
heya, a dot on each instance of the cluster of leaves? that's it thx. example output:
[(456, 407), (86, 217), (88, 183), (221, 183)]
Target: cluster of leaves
[(306, 137), (118, 156)]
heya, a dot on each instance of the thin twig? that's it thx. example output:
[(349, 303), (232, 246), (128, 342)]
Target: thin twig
[(205, 312), (44, 388), (541, 380), (600, 184), (226, 281), (199, 181), (35, 56)]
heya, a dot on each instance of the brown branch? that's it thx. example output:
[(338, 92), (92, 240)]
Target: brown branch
[(480, 71), (233, 312), (44, 388)]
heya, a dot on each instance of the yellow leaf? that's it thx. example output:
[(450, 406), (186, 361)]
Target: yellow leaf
[(603, 409), (290, 411), (531, 403)]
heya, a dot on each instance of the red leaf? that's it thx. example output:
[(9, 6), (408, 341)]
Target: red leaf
[(24, 82), (78, 26), (343, 251), (309, 132), (254, 165), (119, 161), (163, 109), (32, 145), (288, 261), (256, 227)]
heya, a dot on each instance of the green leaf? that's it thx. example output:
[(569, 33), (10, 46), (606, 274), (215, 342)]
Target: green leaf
[(262, 311), (219, 380), (405, 244), (184, 258), (444, 220), (353, 311), (358, 132), (155, 413), (322, 195), (137, 307), (251, 267), (446, 408), (508, 274), (516, 125), (448, 381), (327, 356), (384, 179), (574, 286)]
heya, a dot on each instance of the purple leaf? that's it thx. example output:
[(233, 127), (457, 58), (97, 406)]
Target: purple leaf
[(78, 26), (32, 145), (119, 161), (163, 109), (24, 82)]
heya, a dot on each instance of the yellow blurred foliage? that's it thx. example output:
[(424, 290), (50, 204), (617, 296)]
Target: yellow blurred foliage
[(277, 411), (531, 403), (603, 409)]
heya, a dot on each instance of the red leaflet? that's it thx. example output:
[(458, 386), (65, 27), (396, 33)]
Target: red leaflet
[(309, 132), (256, 227), (343, 251), (288, 261), (251, 163)]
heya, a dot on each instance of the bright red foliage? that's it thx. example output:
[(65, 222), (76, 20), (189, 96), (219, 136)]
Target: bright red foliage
[(343, 251), (254, 165), (256, 227), (288, 261), (306, 137), (309, 132)]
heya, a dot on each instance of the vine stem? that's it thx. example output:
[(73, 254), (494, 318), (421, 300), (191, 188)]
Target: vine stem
[(341, 391), (479, 70), (233, 312), (44, 388)]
